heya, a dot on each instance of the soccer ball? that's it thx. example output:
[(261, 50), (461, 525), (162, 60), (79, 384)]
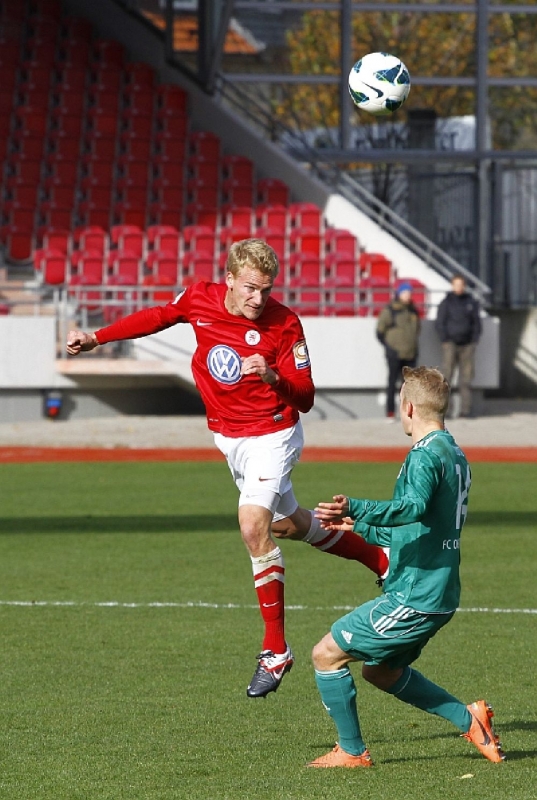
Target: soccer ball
[(379, 84)]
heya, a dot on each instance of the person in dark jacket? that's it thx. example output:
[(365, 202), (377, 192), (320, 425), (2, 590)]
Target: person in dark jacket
[(398, 328), (458, 325)]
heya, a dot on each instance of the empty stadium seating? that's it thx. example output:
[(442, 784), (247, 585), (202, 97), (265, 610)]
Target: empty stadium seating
[(105, 184)]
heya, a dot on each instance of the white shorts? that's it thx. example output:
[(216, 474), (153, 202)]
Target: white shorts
[(261, 467)]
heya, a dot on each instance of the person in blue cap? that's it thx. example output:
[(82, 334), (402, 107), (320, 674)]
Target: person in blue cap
[(398, 329)]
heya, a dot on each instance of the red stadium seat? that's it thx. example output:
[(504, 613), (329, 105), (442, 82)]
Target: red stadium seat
[(273, 191), (172, 97), (238, 168), (307, 302), (58, 239), (376, 265), (205, 143), (169, 168), (135, 147), (375, 293), (306, 215), (305, 240), (272, 216), (19, 244), (172, 125), (108, 52), (131, 192), (139, 74), (232, 233), (197, 268), (164, 239), (24, 169), (133, 170), (53, 266), (237, 216), (304, 271), (235, 192), (164, 269), (129, 214), (136, 123), (125, 267), (198, 239), (91, 238), (169, 146), (88, 266), (203, 169), (276, 239), (167, 193), (129, 238), (341, 242), (341, 303), (164, 215), (341, 271), (196, 214)]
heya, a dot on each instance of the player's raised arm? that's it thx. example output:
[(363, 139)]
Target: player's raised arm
[(79, 341)]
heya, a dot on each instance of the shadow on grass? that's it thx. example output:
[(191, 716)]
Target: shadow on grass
[(502, 519), (116, 524)]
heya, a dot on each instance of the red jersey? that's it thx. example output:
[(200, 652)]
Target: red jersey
[(236, 405)]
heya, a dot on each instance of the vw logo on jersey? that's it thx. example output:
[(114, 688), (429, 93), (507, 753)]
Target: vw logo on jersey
[(224, 364)]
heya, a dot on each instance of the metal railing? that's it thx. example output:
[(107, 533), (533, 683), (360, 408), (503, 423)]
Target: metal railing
[(262, 118)]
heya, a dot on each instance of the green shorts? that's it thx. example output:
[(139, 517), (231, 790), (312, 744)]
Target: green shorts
[(384, 631)]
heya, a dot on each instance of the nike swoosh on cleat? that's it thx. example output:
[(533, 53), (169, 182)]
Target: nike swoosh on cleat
[(486, 738)]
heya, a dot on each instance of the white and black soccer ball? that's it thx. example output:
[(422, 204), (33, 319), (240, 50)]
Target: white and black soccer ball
[(379, 83)]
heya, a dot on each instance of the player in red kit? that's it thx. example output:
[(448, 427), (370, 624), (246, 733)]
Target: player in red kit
[(252, 369)]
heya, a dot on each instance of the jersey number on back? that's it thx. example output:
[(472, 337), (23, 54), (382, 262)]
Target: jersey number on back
[(462, 498)]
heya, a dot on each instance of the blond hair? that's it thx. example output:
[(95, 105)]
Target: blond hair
[(427, 390), (254, 253)]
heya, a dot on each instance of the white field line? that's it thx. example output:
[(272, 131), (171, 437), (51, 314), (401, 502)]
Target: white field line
[(199, 604)]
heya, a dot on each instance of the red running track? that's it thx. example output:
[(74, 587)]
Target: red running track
[(23, 455)]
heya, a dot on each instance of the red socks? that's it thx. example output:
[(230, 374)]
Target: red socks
[(350, 545), (269, 577)]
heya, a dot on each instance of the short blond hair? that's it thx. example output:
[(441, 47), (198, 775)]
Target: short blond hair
[(254, 253), (427, 390)]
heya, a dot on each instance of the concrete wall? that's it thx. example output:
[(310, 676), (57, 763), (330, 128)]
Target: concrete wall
[(518, 354), (348, 366)]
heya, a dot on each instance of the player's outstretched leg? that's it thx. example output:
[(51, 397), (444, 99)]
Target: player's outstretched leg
[(345, 544), (474, 721), (481, 732)]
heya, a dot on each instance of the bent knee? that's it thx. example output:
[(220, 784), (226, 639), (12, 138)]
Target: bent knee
[(285, 529), (295, 526)]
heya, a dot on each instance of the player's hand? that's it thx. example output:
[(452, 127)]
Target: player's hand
[(336, 511), (78, 341), (257, 365), (347, 524)]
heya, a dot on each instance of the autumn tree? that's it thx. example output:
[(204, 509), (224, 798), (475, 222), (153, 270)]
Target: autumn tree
[(436, 44)]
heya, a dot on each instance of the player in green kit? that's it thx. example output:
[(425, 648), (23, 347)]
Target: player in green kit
[(422, 526)]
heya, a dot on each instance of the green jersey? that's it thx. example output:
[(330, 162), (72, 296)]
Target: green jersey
[(422, 524)]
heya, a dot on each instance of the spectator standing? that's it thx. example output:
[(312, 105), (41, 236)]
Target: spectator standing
[(398, 329), (458, 325)]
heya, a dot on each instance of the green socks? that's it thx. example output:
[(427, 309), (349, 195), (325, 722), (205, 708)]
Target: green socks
[(338, 693), (413, 688)]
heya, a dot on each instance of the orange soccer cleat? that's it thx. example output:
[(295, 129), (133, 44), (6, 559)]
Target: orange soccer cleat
[(339, 758), (481, 732)]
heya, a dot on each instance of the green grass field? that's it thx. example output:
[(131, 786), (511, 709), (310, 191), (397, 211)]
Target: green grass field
[(134, 701)]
